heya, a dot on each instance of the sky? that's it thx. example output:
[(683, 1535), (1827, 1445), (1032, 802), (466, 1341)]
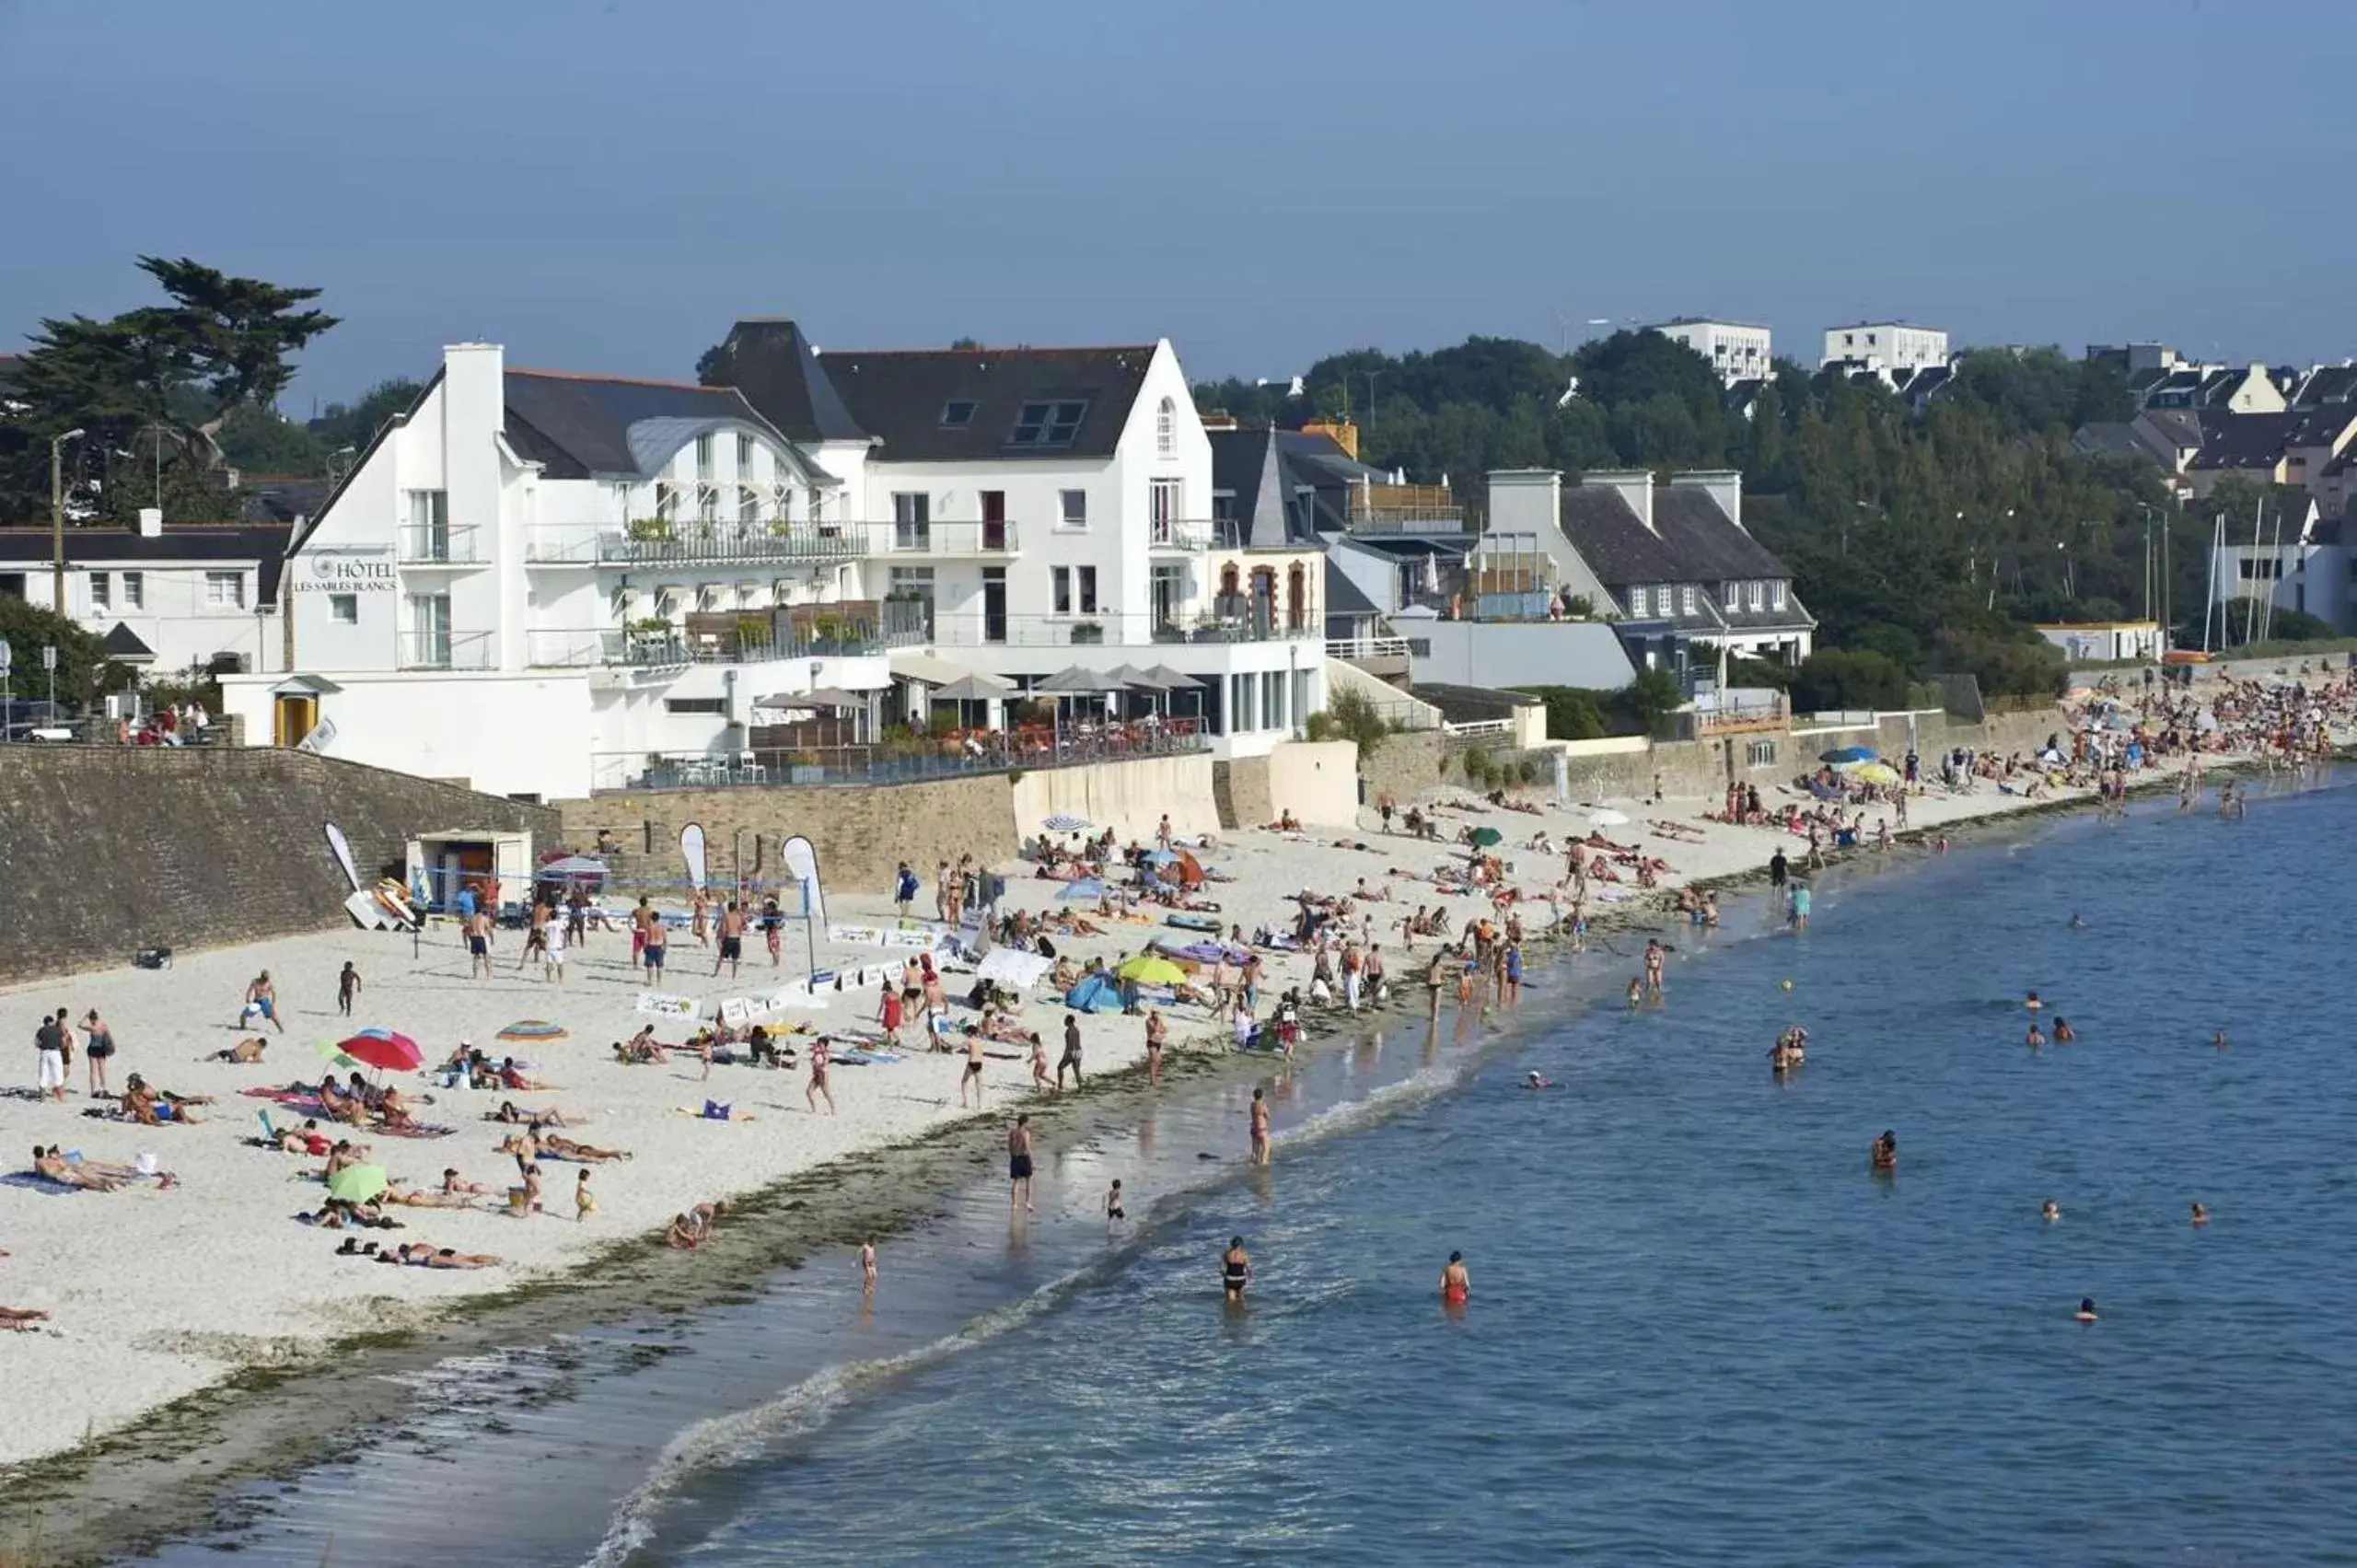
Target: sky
[(606, 186)]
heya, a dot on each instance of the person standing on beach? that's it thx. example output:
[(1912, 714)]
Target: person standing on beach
[(1384, 805), (262, 1002), (1259, 1127), (347, 986), (1657, 957), (904, 889), (98, 1049), (1157, 1033), (821, 1059), (732, 939), (1436, 981), (1778, 870), (477, 930), (1070, 1058), (642, 920), (973, 1072), (867, 1267), (655, 944), (48, 1042), (1018, 1164)]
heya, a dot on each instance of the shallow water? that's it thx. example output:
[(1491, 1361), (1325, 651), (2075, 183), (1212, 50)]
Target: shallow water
[(1700, 1330)]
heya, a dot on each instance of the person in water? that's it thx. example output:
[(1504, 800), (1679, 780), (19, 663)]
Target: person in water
[(1636, 993), (1115, 1213), (1236, 1269), (1886, 1151), (2200, 1214), (2219, 1039), (2037, 1036), (2032, 1003), (1456, 1284), (2064, 1033), (1536, 1082), (2077, 923), (2086, 1309), (2051, 1211)]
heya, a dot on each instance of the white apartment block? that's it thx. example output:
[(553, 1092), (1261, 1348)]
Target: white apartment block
[(1737, 351), (1895, 348), (545, 584)]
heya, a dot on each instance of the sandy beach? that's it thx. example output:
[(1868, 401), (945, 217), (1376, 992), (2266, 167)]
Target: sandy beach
[(154, 1292)]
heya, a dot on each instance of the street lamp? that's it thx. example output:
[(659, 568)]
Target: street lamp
[(57, 519)]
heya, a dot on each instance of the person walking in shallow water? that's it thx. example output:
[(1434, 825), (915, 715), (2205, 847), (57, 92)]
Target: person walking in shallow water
[(1018, 1165)]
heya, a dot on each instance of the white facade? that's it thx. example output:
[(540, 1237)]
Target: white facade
[(482, 602), (1895, 348), (1737, 351), (2103, 642), (189, 608)]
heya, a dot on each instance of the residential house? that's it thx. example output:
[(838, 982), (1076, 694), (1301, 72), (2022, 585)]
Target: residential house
[(1738, 351), (1047, 509), (2230, 389), (2105, 642), (2293, 559), (166, 598), (2294, 447), (1672, 560), (2326, 385)]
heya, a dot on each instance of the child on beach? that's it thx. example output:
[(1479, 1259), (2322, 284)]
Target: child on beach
[(584, 1203), (1114, 1212)]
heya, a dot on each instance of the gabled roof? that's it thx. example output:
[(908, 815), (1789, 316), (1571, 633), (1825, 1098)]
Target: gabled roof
[(126, 647), (2326, 384), (2321, 426), (2232, 440), (773, 363), (2176, 427), (262, 546), (1266, 479), (902, 397), (2109, 438), (1705, 540), (1344, 596), (1617, 548), (577, 426)]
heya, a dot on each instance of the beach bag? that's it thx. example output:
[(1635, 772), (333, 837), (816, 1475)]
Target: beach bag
[(152, 959)]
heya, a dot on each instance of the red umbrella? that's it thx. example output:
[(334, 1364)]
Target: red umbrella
[(383, 1048)]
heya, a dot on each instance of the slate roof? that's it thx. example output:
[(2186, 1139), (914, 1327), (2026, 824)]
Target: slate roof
[(1344, 596), (1692, 544), (126, 646), (2176, 427), (900, 395), (1706, 543), (2328, 384), (260, 546), (2241, 440), (1265, 474), (1617, 548), (2109, 438), (578, 426), (773, 363), (2319, 427)]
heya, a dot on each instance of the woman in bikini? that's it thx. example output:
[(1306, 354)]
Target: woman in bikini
[(1235, 1269)]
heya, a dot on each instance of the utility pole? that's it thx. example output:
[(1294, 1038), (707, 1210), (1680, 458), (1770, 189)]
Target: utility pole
[(57, 519)]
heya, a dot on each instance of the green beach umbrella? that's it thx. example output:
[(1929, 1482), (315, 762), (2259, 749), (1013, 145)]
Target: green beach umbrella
[(1485, 837), (332, 1054), (358, 1183)]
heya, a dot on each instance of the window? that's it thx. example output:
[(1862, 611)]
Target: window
[(1162, 510), (695, 704), (344, 609), (1753, 596), (224, 591), (744, 455), (1759, 754), (1776, 593), (135, 590), (1073, 509), (1420, 647), (703, 455), (101, 593), (1165, 429), (1272, 699), (1060, 579), (1685, 599), (1239, 697), (1047, 423), (912, 520), (748, 503), (1073, 589), (1087, 582), (957, 413)]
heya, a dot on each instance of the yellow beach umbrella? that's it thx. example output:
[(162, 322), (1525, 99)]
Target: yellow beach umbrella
[(1149, 968)]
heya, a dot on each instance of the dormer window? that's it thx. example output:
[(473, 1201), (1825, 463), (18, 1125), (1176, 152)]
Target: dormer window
[(957, 413), (1047, 423)]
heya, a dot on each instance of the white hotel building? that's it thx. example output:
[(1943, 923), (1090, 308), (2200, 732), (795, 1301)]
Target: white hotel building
[(545, 584)]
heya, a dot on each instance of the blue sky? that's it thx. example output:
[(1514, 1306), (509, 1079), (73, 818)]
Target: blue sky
[(606, 186)]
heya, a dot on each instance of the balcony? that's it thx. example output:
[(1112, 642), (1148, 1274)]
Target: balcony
[(432, 545), (1192, 535), (946, 540), (663, 541), (847, 629), (1405, 509), (446, 650)]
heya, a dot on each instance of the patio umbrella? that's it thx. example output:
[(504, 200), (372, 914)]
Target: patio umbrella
[(1485, 837), (1078, 681), (1875, 772), (1159, 857), (1172, 681), (973, 688), (1094, 994), (1065, 823), (535, 1029), (332, 1054), (1140, 680), (1847, 754), (1087, 888), (358, 1184), (383, 1048), (1152, 968), (1605, 817), (572, 865)]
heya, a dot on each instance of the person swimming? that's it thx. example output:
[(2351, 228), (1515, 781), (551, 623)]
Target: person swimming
[(2077, 923), (2037, 1037), (1534, 1081), (2064, 1033), (1636, 993), (2219, 1039), (1236, 1269), (2032, 1003), (2050, 1212), (2086, 1309), (1886, 1151), (2200, 1214), (1456, 1284)]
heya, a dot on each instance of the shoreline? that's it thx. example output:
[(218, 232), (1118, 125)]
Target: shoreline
[(184, 1455)]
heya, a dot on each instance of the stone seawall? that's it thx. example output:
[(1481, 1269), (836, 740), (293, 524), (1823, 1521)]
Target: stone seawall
[(108, 849)]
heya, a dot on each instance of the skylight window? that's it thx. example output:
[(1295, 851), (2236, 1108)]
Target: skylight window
[(1047, 423), (957, 413)]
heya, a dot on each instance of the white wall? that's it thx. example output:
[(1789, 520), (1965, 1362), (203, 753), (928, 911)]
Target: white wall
[(1886, 346), (1734, 349), (1500, 654), (175, 617), (1318, 781), (502, 734)]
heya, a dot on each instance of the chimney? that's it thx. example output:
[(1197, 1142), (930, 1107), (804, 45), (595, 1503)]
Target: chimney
[(151, 522), (1635, 485), (1725, 486), (1526, 501)]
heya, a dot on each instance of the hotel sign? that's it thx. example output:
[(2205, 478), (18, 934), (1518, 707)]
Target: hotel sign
[(349, 571)]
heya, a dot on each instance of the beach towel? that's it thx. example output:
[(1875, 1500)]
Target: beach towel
[(34, 1181), (856, 1057)]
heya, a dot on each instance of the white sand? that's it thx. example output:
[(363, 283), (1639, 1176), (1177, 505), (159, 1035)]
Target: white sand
[(156, 1293)]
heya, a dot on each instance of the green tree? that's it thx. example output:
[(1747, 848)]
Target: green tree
[(1836, 678), (83, 668), (355, 425), (254, 439)]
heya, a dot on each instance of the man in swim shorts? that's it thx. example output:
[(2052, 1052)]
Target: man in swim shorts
[(1018, 1164), (732, 939), (973, 1073)]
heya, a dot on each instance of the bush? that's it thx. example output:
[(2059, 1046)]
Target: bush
[(2004, 667), (1348, 715), (1761, 672), (1571, 713), (1848, 677), (2297, 626)]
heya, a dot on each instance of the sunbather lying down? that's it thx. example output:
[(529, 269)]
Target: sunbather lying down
[(20, 1319), (418, 1255)]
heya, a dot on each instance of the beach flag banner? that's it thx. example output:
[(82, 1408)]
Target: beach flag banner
[(856, 935), (692, 850), (656, 1004), (801, 858), (923, 940), (343, 851), (369, 913), (740, 1011)]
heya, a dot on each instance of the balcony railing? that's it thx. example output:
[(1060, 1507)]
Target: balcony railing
[(967, 629), (902, 762), (426, 545), (960, 537), (446, 650), (1192, 533), (665, 541), (1348, 648), (722, 638), (1405, 508)]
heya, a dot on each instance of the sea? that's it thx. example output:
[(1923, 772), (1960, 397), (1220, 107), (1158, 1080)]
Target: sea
[(1702, 1330)]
